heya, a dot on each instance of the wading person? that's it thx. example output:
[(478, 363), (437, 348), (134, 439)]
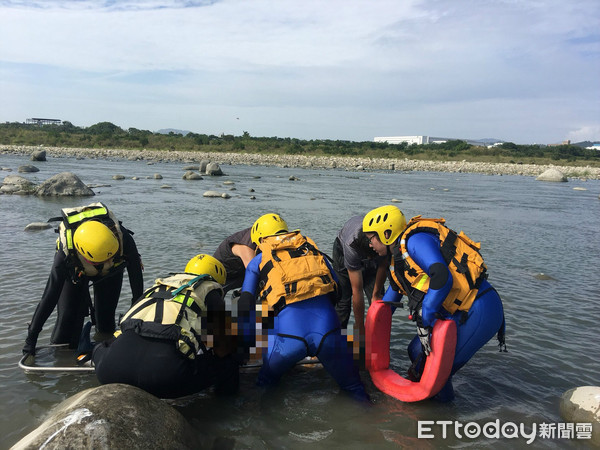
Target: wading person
[(443, 276), (355, 264), (235, 252), (294, 283), (173, 341), (94, 248)]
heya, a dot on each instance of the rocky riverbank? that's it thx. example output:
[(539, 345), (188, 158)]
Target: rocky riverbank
[(326, 162)]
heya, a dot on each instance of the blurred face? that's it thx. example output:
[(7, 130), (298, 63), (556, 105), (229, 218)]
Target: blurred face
[(376, 244), (97, 264)]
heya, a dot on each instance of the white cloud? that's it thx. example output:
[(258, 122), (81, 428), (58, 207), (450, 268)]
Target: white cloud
[(585, 133), (350, 69)]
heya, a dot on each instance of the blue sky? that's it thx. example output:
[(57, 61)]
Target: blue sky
[(523, 71)]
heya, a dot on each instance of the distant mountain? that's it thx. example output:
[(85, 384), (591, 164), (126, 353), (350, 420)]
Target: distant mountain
[(489, 140), (173, 130)]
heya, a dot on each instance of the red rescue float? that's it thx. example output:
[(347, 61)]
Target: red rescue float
[(438, 365)]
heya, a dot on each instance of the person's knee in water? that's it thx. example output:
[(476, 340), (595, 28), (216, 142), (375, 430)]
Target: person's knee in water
[(297, 302), (175, 340)]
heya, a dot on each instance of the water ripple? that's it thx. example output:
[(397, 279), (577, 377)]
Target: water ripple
[(527, 228)]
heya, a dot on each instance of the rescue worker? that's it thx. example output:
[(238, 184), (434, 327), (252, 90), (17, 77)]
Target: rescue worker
[(92, 247), (355, 264), (173, 341), (294, 284), (443, 276), (235, 252)]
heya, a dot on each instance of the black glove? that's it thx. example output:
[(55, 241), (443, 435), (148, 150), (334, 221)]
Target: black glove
[(246, 322), (30, 342)]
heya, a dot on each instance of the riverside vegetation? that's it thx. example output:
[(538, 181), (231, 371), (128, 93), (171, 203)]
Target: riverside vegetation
[(106, 135)]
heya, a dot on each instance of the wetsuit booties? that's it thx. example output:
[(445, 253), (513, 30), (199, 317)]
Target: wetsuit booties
[(85, 346)]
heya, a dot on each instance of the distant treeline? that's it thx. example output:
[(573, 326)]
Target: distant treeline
[(108, 135)]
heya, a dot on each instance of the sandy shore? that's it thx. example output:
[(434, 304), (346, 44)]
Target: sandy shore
[(327, 162)]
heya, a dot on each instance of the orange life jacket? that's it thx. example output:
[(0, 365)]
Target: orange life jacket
[(292, 269), (460, 253)]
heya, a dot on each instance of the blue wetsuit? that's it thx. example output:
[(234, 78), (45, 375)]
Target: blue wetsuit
[(306, 328), (485, 317)]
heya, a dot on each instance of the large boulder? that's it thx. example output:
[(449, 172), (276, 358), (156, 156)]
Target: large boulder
[(16, 184), (39, 155), (113, 416), (191, 175), (28, 168), (552, 175), (582, 405), (213, 169), (64, 183)]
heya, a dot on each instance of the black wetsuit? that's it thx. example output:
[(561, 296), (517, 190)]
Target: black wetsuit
[(233, 264), (158, 367), (73, 300)]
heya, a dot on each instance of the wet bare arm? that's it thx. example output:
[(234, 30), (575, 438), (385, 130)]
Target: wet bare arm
[(358, 301), (380, 278), (243, 252)]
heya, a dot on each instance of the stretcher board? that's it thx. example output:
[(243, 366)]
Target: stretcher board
[(308, 361), (53, 358), (62, 360)]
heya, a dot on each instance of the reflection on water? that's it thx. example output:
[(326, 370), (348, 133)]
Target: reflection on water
[(526, 228)]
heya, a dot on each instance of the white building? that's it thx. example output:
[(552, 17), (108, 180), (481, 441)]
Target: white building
[(418, 140)]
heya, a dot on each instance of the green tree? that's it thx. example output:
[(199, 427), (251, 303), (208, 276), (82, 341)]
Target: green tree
[(104, 128)]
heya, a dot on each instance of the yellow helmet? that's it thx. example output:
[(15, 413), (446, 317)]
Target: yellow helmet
[(95, 241), (382, 219), (207, 265), (267, 225)]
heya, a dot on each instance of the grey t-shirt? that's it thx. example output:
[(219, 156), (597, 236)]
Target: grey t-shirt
[(348, 235)]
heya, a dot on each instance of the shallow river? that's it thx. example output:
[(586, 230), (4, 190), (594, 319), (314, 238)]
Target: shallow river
[(527, 228)]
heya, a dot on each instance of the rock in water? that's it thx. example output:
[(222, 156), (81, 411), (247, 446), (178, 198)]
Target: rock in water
[(37, 226), (16, 184), (190, 175), (64, 183), (552, 175), (216, 194), (113, 416), (582, 405), (28, 169), (213, 169), (39, 155)]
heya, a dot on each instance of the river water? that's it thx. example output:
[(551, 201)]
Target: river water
[(527, 228)]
